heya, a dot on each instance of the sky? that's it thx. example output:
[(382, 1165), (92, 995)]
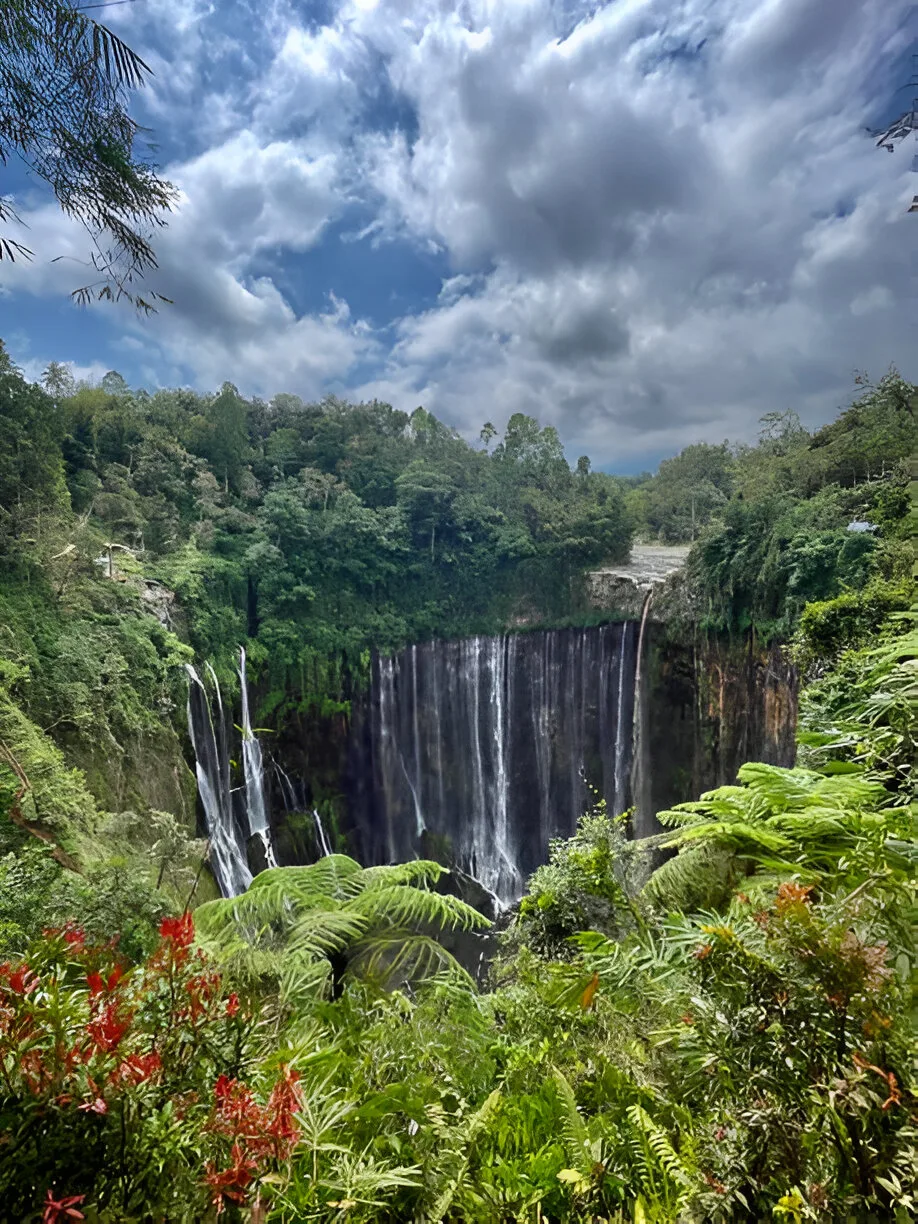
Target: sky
[(645, 222)]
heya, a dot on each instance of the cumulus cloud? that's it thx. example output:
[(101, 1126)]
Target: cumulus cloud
[(659, 218)]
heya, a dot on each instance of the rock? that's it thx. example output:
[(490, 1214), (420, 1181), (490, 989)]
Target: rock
[(622, 589)]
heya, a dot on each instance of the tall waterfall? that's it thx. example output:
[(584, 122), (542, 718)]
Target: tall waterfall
[(229, 825), (488, 747), (253, 768), (228, 857)]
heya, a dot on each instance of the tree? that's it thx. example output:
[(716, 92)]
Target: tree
[(64, 81), (689, 489), (225, 440), (58, 380), (308, 925), (113, 383)]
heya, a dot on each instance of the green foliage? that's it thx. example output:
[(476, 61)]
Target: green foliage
[(864, 712), (590, 882), (782, 539), (303, 927), (828, 627)]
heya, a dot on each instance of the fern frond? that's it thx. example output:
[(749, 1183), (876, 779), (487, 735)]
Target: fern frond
[(698, 877), (573, 1128), (476, 1124), (660, 1144), (336, 876), (323, 932), (413, 907), (418, 871), (732, 833), (403, 956)]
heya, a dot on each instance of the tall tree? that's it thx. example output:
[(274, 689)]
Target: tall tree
[(64, 84)]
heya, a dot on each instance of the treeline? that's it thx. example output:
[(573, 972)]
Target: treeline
[(314, 530), (798, 517)]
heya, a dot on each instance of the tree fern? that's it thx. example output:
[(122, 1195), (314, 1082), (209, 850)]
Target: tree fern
[(293, 921), (780, 822)]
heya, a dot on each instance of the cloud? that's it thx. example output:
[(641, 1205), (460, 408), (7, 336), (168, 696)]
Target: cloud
[(661, 218)]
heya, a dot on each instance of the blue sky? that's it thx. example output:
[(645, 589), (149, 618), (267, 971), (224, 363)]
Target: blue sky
[(647, 222)]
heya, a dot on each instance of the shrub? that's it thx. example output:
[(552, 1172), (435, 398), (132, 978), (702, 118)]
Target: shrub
[(133, 1092)]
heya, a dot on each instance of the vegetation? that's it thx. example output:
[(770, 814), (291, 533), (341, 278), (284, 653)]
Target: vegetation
[(64, 84), (730, 1038), (715, 1024), (771, 522)]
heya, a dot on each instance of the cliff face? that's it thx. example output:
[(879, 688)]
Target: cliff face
[(478, 752), (621, 589), (713, 704)]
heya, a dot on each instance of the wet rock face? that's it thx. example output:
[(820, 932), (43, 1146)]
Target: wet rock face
[(478, 752)]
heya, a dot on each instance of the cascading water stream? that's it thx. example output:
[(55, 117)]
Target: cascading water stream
[(227, 848), (294, 800), (640, 769), (324, 846), (253, 768), (486, 748)]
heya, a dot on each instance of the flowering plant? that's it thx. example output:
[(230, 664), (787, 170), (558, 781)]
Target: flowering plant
[(138, 1090)]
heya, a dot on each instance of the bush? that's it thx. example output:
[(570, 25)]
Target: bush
[(133, 1092)]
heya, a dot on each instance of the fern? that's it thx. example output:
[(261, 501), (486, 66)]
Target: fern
[(781, 822), (473, 1128), (573, 1128), (292, 920)]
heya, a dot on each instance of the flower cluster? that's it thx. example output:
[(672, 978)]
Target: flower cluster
[(255, 1132), (89, 1041)]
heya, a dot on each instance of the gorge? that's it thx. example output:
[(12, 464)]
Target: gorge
[(479, 751)]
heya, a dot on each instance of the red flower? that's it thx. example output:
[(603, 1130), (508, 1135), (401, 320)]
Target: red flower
[(107, 1029), (137, 1067), (233, 1182), (104, 985), (75, 938), (283, 1104), (232, 1004), (179, 931), (62, 1209), (23, 980)]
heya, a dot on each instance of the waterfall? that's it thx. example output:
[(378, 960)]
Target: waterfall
[(227, 846), (294, 800), (320, 834), (253, 768), (491, 746), (640, 772), (228, 830)]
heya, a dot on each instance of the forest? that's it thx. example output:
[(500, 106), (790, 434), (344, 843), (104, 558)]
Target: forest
[(716, 1022)]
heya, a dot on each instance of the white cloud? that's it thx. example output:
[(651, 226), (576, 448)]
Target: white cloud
[(662, 217)]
